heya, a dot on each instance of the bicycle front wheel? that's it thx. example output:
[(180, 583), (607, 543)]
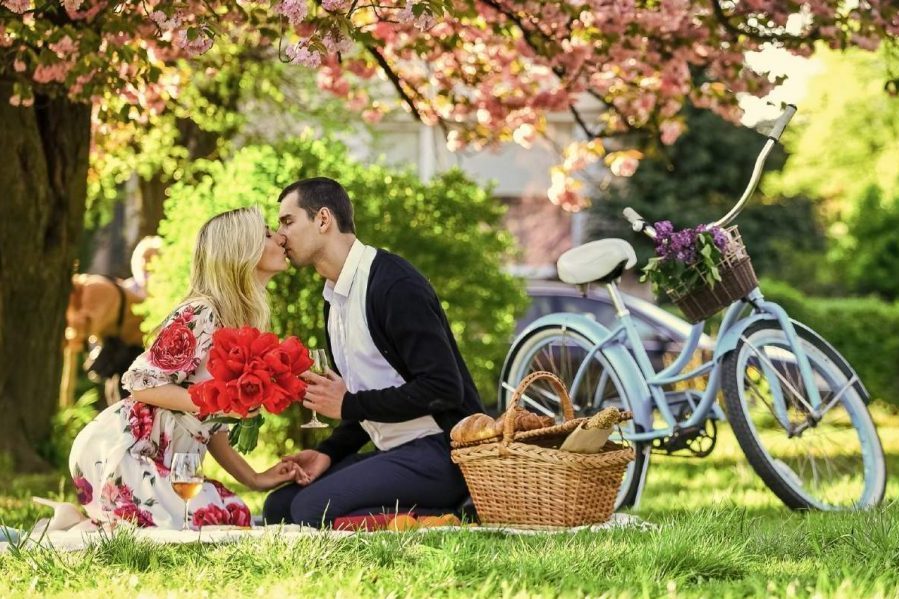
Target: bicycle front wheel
[(829, 458), (563, 351)]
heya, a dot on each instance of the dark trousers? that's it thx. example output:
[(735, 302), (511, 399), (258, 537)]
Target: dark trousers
[(416, 475)]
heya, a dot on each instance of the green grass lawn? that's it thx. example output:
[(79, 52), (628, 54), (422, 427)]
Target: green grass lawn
[(722, 534)]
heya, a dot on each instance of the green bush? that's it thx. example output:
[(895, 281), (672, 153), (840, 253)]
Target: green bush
[(449, 228), (864, 330)]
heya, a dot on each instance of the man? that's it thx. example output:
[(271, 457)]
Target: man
[(399, 380)]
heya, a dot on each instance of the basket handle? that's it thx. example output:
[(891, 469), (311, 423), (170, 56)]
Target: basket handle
[(564, 398)]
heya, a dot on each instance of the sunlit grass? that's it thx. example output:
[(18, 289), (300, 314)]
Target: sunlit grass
[(722, 534)]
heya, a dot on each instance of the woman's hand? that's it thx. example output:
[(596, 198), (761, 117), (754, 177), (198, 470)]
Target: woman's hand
[(311, 463), (280, 473), (235, 415)]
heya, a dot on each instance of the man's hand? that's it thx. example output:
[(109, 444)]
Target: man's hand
[(280, 473), (311, 463), (324, 393)]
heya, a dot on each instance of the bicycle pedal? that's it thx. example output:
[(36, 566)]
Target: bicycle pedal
[(681, 437)]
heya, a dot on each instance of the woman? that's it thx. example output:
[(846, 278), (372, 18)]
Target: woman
[(120, 462)]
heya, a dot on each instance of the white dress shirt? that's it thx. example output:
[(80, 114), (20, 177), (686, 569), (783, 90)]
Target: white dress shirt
[(355, 354)]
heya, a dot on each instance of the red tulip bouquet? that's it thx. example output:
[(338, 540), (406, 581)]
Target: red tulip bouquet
[(250, 370)]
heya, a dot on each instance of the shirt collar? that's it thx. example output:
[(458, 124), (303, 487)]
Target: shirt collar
[(347, 274)]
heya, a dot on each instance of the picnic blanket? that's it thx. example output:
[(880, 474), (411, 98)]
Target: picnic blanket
[(78, 539)]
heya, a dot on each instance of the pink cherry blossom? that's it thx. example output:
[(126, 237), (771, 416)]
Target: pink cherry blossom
[(337, 43), (47, 73), (64, 47), (488, 72), (193, 47), (17, 6), (623, 164), (670, 131), (335, 5), (164, 22), (294, 10), (301, 54)]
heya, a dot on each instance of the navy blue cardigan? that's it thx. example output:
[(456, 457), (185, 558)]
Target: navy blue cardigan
[(409, 327)]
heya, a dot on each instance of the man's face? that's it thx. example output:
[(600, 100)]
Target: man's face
[(298, 231)]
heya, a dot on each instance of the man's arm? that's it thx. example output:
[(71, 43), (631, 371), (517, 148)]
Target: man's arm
[(347, 439), (415, 328)]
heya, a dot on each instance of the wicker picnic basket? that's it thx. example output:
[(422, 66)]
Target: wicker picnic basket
[(514, 482), (737, 280)]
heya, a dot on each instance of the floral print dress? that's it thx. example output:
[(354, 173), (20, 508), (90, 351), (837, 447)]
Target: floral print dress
[(120, 461)]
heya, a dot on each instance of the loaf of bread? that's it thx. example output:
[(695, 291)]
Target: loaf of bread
[(473, 428), (593, 434), (524, 421)]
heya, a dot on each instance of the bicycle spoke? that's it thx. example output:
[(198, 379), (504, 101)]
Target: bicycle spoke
[(777, 373), (821, 452)]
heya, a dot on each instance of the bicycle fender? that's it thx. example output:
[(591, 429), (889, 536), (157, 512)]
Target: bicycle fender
[(617, 355), (728, 343)]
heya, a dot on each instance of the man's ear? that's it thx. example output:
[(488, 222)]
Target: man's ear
[(326, 219)]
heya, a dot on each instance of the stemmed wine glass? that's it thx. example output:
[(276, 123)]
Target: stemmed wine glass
[(187, 479), (319, 365)]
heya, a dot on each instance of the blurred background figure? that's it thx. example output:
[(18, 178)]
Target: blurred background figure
[(100, 320)]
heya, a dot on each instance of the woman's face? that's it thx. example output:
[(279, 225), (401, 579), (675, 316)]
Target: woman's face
[(274, 258)]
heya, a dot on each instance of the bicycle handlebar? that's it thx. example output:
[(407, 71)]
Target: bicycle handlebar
[(781, 123), (638, 223)]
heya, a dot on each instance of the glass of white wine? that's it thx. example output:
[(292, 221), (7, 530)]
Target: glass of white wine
[(319, 365), (187, 480)]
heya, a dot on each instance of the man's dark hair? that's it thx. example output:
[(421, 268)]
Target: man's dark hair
[(321, 192)]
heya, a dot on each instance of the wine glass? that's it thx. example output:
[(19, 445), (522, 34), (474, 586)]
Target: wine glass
[(187, 479), (319, 365)]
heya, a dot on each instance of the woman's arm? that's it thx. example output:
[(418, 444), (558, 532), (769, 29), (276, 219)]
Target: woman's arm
[(235, 465), (170, 397)]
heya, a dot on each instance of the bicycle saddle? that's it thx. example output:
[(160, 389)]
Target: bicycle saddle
[(602, 260)]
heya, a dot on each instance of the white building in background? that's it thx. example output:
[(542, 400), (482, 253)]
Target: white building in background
[(520, 178)]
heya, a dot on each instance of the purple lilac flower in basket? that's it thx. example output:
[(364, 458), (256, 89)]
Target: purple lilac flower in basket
[(685, 258)]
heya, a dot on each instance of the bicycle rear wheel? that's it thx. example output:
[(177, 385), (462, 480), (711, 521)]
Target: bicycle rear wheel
[(562, 351), (831, 462)]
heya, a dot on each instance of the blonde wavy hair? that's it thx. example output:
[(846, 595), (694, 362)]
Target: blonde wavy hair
[(223, 270)]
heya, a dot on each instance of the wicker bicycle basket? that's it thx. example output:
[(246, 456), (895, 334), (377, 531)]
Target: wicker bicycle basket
[(523, 485), (737, 280)]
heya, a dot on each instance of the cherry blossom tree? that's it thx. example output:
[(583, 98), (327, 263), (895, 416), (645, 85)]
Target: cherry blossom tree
[(486, 71)]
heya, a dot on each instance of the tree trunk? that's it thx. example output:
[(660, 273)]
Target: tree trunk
[(44, 180), (150, 201)]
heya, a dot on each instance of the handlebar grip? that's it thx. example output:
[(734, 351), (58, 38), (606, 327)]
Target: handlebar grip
[(636, 221), (782, 122)]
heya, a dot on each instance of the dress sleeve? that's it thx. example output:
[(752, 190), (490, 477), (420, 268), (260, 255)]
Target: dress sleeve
[(180, 347)]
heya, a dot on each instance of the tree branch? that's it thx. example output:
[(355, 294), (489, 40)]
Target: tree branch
[(582, 123), (394, 79)]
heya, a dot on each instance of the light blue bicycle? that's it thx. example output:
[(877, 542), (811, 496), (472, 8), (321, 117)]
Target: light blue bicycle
[(796, 406)]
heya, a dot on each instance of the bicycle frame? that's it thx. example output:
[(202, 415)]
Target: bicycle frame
[(625, 334)]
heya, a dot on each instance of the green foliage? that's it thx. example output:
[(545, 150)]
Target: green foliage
[(68, 422), (845, 137), (862, 329), (225, 95), (844, 150), (871, 260), (697, 180), (448, 228)]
